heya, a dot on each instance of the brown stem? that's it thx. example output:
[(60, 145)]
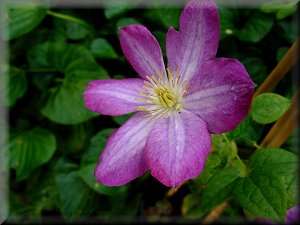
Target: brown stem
[(283, 127), (280, 70), (215, 213)]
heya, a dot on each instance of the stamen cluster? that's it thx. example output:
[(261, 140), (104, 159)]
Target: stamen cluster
[(164, 93)]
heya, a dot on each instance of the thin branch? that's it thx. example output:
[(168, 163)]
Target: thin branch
[(280, 70), (283, 127), (215, 213), (67, 17)]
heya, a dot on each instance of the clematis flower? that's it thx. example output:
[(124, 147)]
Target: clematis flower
[(177, 108)]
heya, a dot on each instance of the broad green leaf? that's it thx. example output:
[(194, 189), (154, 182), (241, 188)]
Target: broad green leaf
[(125, 22), (190, 206), (213, 163), (87, 175), (76, 31), (23, 20), (281, 52), (74, 138), (38, 56), (256, 68), (282, 163), (268, 107), (289, 30), (76, 198), (30, 149), (16, 85), (65, 104), (169, 16), (218, 188), (42, 190), (62, 55), (239, 130), (72, 30), (262, 195), (19, 210), (161, 38), (122, 119), (228, 16), (282, 9), (257, 26), (111, 12), (266, 158), (96, 146), (102, 49)]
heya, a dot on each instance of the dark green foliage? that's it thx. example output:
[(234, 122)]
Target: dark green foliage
[(55, 143)]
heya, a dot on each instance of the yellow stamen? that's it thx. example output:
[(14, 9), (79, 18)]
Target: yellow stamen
[(164, 94)]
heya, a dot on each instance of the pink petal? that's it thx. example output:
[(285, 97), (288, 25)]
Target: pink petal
[(122, 160), (221, 94), (197, 39), (177, 148), (142, 50), (113, 97)]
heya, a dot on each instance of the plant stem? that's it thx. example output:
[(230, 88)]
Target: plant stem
[(67, 17), (215, 213), (283, 127), (234, 149), (280, 70)]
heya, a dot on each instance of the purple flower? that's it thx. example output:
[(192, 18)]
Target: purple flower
[(293, 215), (178, 107)]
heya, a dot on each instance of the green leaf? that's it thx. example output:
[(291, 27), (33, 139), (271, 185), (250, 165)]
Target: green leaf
[(268, 107), (76, 31), (218, 188), (257, 26), (125, 22), (17, 85), (289, 30), (262, 195), (38, 56), (19, 209), (111, 12), (42, 190), (65, 103), (282, 163), (239, 130), (87, 175), (282, 9), (73, 30), (266, 158), (168, 16), (76, 198), (256, 69), (74, 138), (96, 146), (102, 49), (190, 207), (23, 20), (122, 119), (281, 52), (31, 149), (227, 19)]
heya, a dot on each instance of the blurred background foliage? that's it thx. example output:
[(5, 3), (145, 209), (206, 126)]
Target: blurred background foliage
[(54, 142)]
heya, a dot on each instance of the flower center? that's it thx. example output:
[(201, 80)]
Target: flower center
[(163, 94), (167, 99)]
